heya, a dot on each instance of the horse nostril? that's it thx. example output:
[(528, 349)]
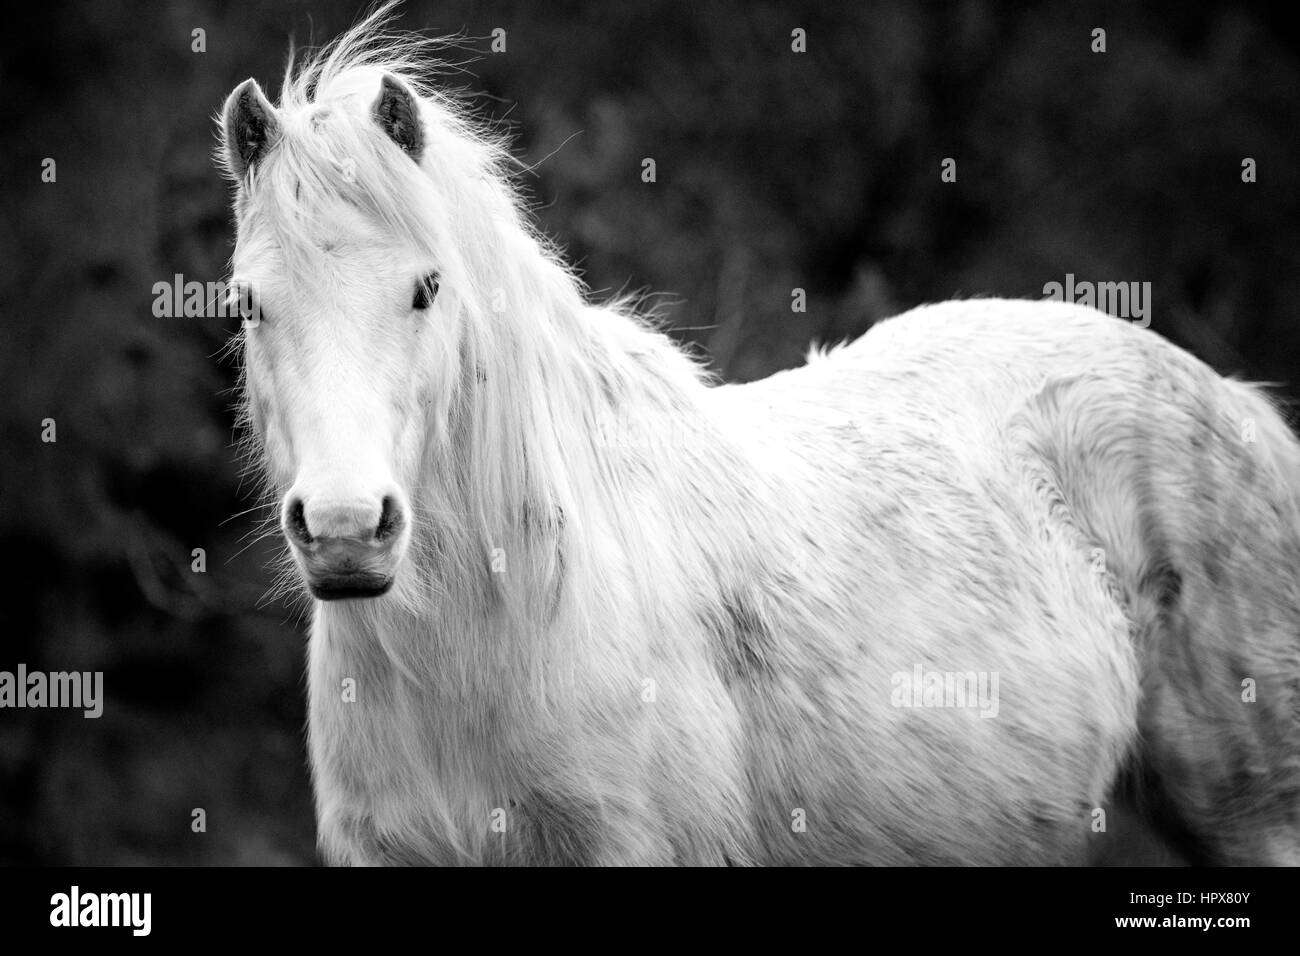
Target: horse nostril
[(390, 520), (296, 523)]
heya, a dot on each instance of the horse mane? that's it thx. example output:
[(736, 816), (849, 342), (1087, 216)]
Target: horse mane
[(522, 464)]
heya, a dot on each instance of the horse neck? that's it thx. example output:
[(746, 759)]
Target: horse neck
[(546, 383)]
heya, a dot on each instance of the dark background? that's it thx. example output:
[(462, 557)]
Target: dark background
[(776, 170)]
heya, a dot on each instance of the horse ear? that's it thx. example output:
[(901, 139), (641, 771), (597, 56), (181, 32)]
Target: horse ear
[(398, 114), (249, 126)]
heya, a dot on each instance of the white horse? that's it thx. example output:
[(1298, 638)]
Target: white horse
[(576, 603)]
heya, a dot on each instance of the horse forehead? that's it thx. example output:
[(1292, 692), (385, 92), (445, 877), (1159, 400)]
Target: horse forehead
[(345, 250), (307, 267), (342, 231)]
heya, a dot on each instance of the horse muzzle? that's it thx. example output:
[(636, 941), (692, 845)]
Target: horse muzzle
[(355, 559)]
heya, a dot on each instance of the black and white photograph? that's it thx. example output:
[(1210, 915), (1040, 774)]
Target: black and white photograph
[(661, 434)]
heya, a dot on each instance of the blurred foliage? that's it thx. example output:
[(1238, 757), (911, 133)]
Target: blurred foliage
[(776, 170)]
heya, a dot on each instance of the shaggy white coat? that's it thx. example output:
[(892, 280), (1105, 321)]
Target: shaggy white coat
[(647, 619)]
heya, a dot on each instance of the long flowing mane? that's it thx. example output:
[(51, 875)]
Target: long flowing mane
[(553, 402)]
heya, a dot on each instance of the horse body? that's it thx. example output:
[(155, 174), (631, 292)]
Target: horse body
[(614, 613), (932, 494)]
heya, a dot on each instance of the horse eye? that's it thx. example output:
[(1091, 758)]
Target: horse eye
[(248, 307), (425, 291)]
